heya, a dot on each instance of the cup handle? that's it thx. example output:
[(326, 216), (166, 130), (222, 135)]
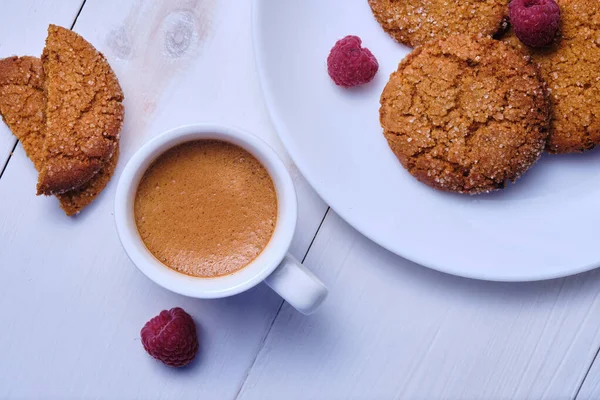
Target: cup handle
[(297, 285)]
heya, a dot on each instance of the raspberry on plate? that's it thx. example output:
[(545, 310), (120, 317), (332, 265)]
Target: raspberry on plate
[(535, 22), (171, 337), (349, 64)]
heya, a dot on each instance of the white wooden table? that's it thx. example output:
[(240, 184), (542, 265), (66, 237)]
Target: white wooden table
[(72, 304)]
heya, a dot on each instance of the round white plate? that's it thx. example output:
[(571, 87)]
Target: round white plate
[(545, 226)]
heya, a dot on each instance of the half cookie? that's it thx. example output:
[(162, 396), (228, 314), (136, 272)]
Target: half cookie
[(84, 112), (414, 22), (22, 108), (465, 114), (571, 67), (22, 103), (74, 201)]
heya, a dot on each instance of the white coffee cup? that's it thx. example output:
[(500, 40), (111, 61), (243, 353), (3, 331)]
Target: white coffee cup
[(286, 276)]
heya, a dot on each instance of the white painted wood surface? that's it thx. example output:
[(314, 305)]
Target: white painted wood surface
[(395, 330), (72, 304), (23, 27), (590, 390)]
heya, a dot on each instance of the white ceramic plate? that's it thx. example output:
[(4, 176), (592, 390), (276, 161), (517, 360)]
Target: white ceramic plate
[(545, 226)]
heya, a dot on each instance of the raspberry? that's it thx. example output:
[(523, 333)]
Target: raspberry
[(349, 64), (535, 21), (171, 337)]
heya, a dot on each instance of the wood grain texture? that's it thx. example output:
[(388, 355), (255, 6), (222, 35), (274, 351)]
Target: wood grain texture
[(394, 330), (23, 27), (73, 304)]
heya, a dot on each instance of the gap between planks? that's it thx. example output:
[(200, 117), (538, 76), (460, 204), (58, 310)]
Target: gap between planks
[(268, 331), (266, 334), (586, 374), (263, 341), (9, 157)]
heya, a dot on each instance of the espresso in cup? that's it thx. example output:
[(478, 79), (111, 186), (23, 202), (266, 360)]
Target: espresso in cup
[(206, 208)]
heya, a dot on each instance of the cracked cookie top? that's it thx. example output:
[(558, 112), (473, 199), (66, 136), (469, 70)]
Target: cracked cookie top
[(414, 22), (465, 114), (571, 68), (22, 108), (22, 102), (84, 112)]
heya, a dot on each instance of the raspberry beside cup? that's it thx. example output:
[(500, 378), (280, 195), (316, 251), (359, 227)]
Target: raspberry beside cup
[(171, 337)]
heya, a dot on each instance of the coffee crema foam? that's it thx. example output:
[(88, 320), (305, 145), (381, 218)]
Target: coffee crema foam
[(206, 208)]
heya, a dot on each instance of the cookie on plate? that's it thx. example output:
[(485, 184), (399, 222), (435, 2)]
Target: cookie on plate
[(414, 22), (465, 114), (22, 108), (571, 68), (84, 112)]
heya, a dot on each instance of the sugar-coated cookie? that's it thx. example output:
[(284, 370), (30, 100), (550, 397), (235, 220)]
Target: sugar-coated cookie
[(414, 22), (22, 108), (465, 114), (571, 68), (84, 112)]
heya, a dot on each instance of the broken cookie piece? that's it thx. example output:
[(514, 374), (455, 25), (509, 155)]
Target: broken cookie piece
[(84, 112), (74, 201), (22, 103), (22, 108)]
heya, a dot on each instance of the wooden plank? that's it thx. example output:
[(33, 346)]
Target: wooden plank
[(73, 303), (23, 27), (394, 330), (590, 388)]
